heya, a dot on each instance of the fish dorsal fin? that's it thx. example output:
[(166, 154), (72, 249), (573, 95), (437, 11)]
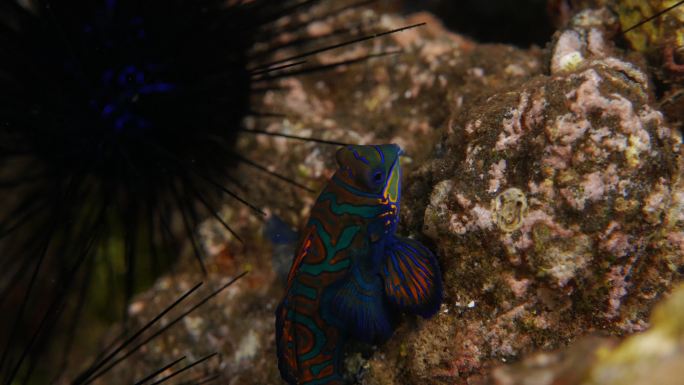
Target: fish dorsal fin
[(411, 275)]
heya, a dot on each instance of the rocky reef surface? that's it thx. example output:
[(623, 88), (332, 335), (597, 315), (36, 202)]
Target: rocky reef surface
[(547, 181), (653, 357)]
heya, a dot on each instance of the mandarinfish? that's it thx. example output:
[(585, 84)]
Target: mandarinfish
[(352, 274)]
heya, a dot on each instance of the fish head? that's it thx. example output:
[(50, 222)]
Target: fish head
[(373, 169)]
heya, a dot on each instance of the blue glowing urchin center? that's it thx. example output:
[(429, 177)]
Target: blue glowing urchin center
[(125, 88)]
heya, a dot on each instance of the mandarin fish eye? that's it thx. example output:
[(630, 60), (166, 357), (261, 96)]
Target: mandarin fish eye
[(377, 176)]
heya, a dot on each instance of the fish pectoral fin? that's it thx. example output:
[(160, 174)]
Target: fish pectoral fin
[(413, 282), (358, 307)]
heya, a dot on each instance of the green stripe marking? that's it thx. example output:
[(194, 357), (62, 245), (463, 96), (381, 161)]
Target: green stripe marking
[(319, 337), (362, 211), (316, 369), (345, 239), (305, 291)]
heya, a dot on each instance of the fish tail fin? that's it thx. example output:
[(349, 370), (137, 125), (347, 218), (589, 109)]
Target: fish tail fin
[(413, 281), (279, 232), (284, 240)]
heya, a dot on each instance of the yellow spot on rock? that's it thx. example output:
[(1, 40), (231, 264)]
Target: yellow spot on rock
[(571, 61), (510, 208), (656, 33), (403, 350), (636, 147)]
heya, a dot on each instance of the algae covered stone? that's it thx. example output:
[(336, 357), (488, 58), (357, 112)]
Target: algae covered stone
[(655, 356), (590, 244)]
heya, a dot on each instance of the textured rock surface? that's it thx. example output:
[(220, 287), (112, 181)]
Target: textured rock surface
[(546, 181), (555, 212), (653, 357)]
